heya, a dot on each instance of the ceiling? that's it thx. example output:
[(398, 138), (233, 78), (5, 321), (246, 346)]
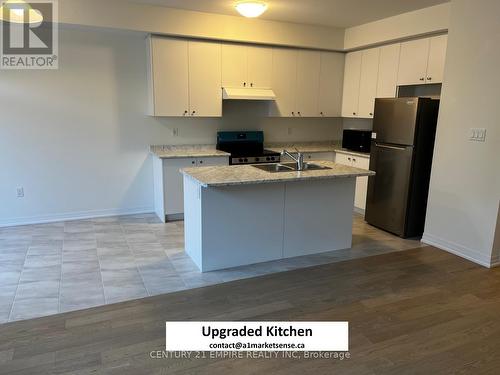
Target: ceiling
[(336, 13)]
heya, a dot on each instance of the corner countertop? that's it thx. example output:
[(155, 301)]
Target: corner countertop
[(186, 151), (314, 147), (354, 153), (310, 147), (247, 174)]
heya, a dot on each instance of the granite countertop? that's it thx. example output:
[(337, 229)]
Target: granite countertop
[(186, 151), (312, 147), (328, 146), (247, 174), (355, 153)]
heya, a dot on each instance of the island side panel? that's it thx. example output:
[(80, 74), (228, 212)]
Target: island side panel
[(241, 224), (318, 216), (192, 220)]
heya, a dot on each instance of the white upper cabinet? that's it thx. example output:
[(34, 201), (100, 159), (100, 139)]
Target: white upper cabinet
[(413, 62), (422, 61), (368, 82), (205, 93), (284, 74), (246, 66), (184, 78), (168, 77), (388, 71), (360, 83), (437, 55), (331, 84), (308, 73), (260, 62), (307, 83), (234, 65), (352, 77)]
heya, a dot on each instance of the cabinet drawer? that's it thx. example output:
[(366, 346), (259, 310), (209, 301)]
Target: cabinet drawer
[(218, 160), (342, 159)]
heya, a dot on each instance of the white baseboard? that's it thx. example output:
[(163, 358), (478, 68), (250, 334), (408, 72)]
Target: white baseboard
[(495, 262), (74, 216), (359, 211), (459, 250)]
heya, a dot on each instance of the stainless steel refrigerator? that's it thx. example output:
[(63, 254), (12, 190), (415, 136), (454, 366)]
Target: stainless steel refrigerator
[(401, 155)]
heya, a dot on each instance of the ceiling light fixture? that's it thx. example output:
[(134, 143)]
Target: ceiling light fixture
[(15, 11), (251, 9)]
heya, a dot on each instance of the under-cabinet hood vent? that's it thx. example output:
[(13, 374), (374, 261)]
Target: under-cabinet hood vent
[(230, 93)]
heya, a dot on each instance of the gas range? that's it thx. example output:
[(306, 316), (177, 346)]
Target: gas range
[(246, 147)]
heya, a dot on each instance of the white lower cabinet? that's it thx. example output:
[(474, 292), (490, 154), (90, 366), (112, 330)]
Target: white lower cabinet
[(319, 156), (312, 156), (361, 162), (169, 189)]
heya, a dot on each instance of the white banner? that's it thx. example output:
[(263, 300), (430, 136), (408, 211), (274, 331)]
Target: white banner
[(257, 336)]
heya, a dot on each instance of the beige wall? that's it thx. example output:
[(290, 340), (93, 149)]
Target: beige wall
[(465, 184), (118, 14), (417, 23)]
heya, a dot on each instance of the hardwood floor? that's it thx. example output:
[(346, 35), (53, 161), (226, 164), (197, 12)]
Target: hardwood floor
[(420, 311)]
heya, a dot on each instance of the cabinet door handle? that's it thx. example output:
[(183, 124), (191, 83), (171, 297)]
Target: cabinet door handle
[(429, 78), (251, 84), (193, 113), (354, 160), (293, 113), (244, 84), (422, 78), (299, 113), (185, 113), (201, 161), (321, 113), (354, 113), (349, 159), (193, 162), (371, 114)]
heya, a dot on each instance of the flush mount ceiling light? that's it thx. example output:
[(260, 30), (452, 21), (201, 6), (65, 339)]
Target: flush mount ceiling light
[(250, 9), (18, 11)]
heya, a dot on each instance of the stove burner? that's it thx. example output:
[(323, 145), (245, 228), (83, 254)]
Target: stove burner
[(246, 147)]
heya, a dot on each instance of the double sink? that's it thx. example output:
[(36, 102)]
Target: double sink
[(289, 167)]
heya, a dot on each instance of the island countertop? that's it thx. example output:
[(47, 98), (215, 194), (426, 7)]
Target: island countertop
[(248, 174)]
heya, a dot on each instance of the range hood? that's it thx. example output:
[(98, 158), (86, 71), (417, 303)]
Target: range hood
[(233, 93)]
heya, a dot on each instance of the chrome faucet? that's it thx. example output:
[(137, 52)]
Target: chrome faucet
[(299, 159)]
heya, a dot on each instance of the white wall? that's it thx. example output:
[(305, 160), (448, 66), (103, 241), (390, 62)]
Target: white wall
[(77, 138), (119, 14), (465, 185), (420, 22)]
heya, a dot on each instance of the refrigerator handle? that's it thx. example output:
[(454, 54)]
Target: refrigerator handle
[(391, 147)]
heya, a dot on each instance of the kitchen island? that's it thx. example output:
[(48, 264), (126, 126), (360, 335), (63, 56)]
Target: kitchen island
[(238, 215)]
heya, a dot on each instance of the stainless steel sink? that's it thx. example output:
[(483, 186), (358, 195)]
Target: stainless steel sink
[(288, 167)]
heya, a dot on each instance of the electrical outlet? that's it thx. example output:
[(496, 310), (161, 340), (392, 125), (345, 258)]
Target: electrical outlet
[(290, 131), (175, 132), (20, 192), (477, 134)]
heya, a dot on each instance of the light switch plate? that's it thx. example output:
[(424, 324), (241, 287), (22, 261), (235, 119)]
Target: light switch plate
[(477, 134)]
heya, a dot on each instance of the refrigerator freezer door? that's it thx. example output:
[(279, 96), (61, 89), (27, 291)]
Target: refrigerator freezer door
[(395, 120), (387, 197)]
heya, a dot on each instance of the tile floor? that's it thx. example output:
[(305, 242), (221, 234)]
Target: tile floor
[(59, 267)]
